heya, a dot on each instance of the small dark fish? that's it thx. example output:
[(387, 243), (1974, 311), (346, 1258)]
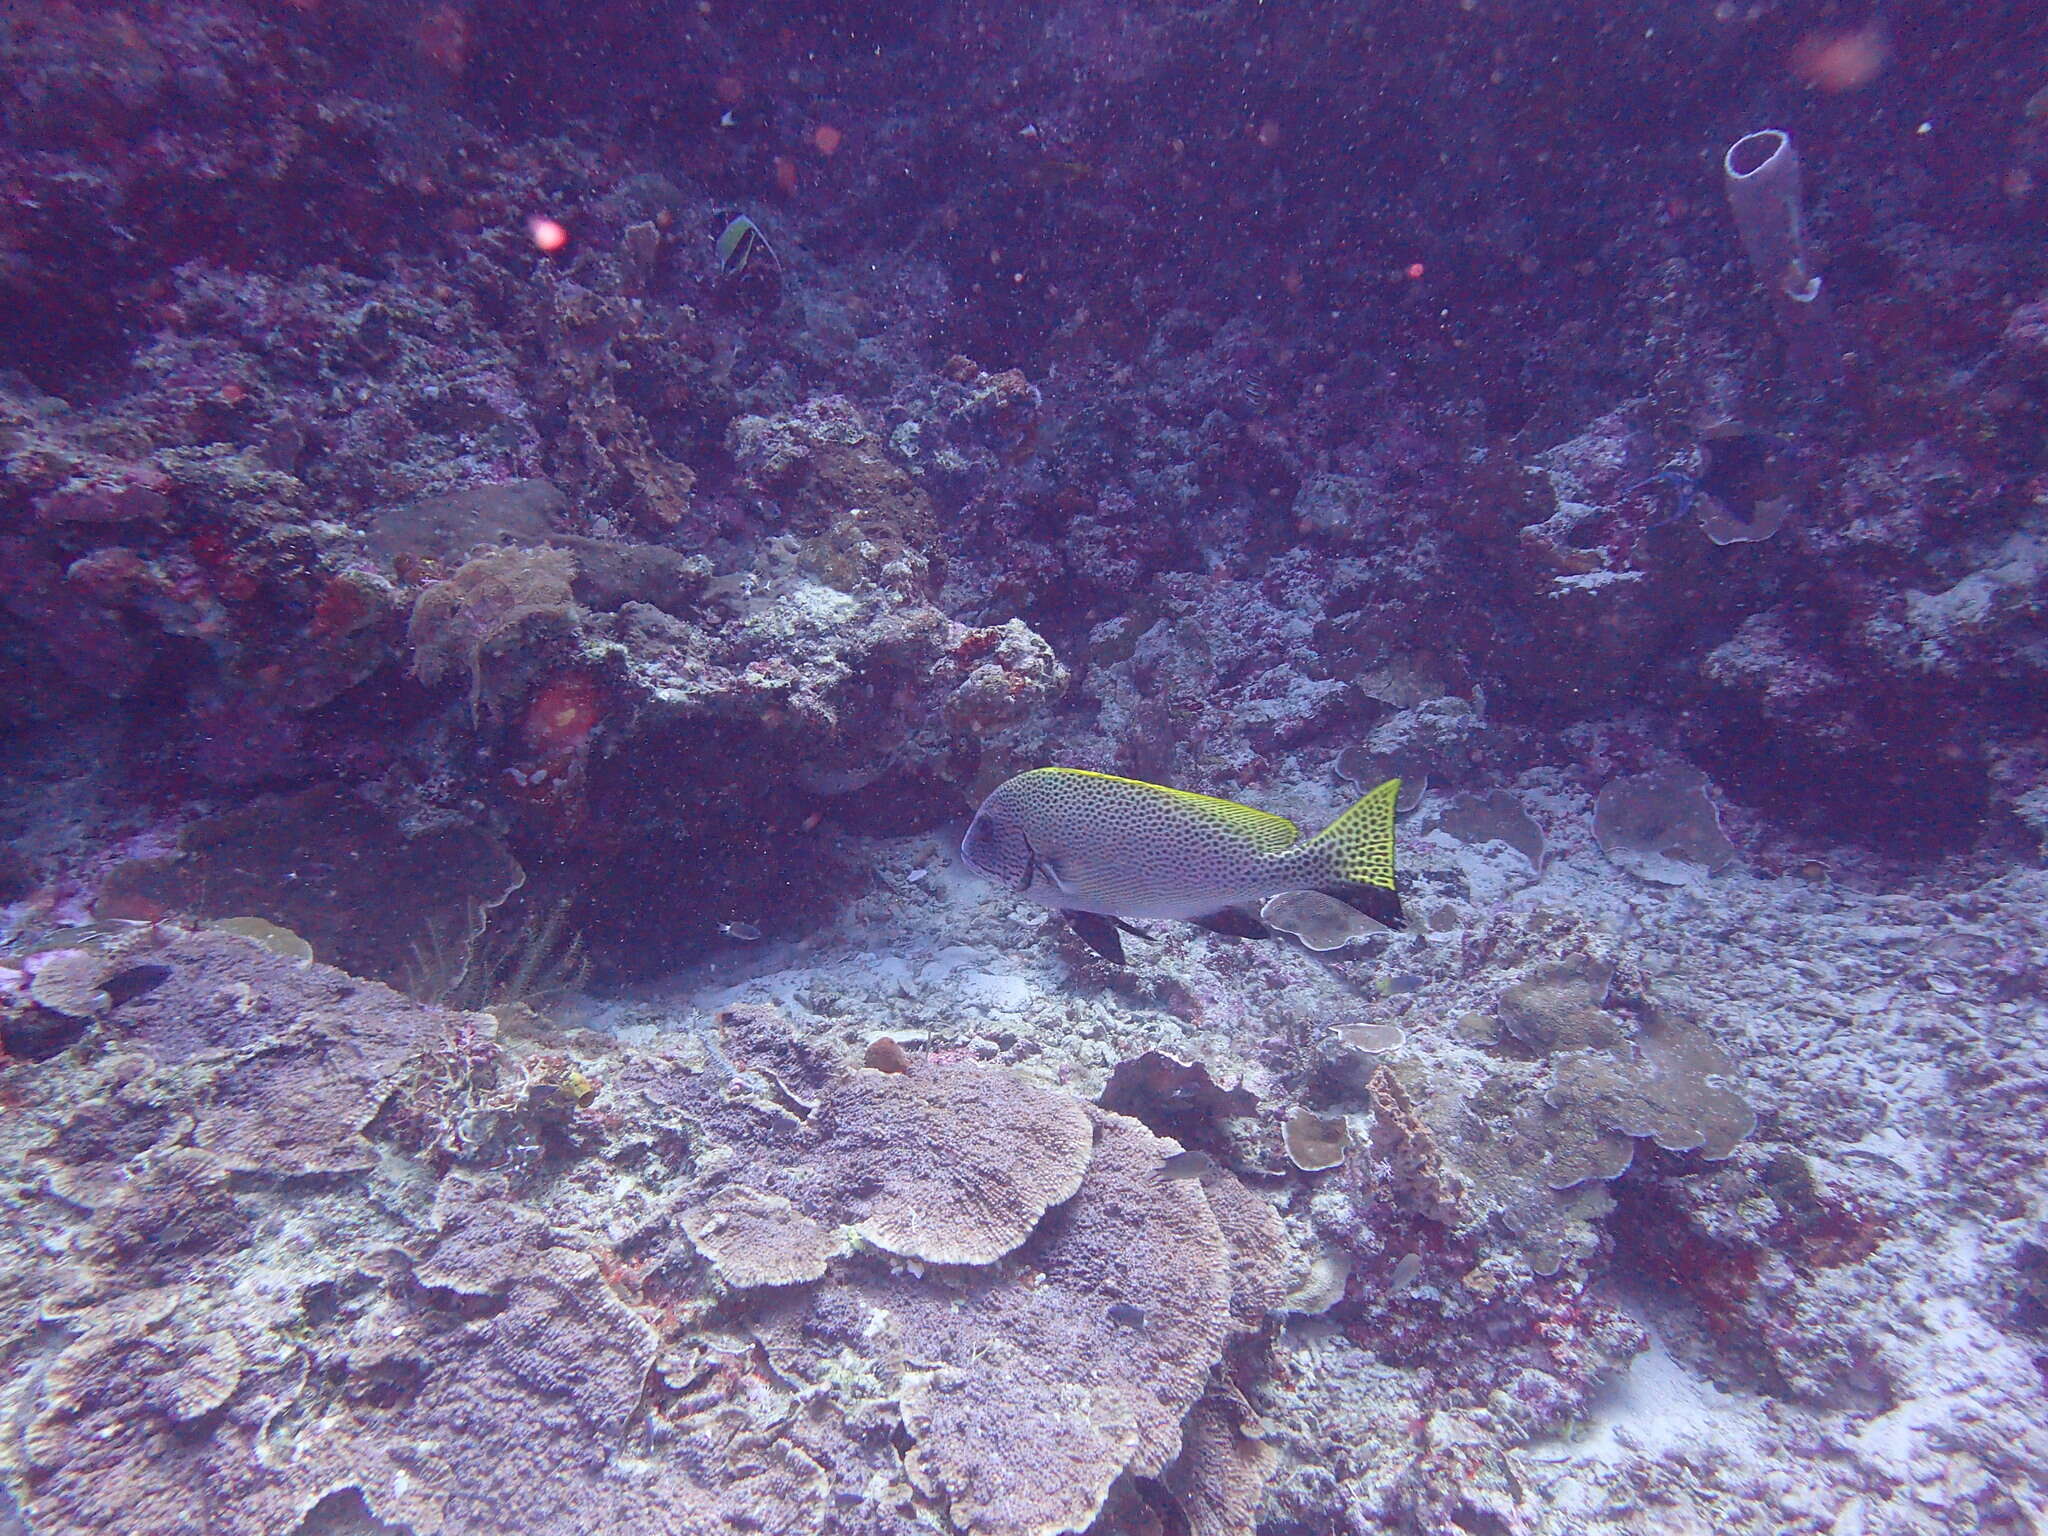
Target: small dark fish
[(1123, 1312), (1187, 1165), (742, 933), (1875, 1159), (741, 245)]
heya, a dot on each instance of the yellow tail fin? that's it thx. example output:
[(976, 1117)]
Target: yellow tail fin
[(1352, 858)]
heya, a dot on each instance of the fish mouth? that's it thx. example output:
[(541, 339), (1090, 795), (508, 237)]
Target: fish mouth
[(995, 876), (965, 849)]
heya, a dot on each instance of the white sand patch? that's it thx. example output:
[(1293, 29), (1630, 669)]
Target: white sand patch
[(1657, 1405)]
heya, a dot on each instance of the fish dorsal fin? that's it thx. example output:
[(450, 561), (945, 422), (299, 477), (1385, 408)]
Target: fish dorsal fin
[(1264, 831)]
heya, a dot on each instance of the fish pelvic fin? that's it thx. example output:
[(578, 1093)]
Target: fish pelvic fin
[(1099, 933), (1233, 924), (1352, 858)]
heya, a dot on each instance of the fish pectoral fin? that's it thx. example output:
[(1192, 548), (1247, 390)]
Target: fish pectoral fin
[(1375, 901), (1099, 933), (1052, 871), (1233, 923)]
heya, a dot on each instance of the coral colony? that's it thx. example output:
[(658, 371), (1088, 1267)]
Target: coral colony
[(530, 537)]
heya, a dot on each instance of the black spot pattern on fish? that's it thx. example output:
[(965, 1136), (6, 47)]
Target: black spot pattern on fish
[(1084, 841)]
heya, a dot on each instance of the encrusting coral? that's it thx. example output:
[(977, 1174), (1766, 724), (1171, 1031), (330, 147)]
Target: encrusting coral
[(969, 1297), (1533, 1150), (753, 1238), (1034, 1385), (1662, 826), (997, 1153), (1557, 1006)]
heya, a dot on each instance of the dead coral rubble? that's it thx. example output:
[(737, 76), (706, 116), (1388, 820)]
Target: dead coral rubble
[(736, 1283)]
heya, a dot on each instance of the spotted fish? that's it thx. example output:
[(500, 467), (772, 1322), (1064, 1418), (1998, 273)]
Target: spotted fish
[(1103, 850)]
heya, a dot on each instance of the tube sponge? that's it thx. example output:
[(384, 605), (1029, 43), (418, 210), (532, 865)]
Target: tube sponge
[(1761, 173)]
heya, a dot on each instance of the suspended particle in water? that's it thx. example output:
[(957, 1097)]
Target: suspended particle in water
[(548, 235), (443, 38), (1835, 61)]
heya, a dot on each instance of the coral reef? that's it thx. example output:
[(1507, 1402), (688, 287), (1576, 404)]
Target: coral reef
[(1076, 1306), (561, 518)]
